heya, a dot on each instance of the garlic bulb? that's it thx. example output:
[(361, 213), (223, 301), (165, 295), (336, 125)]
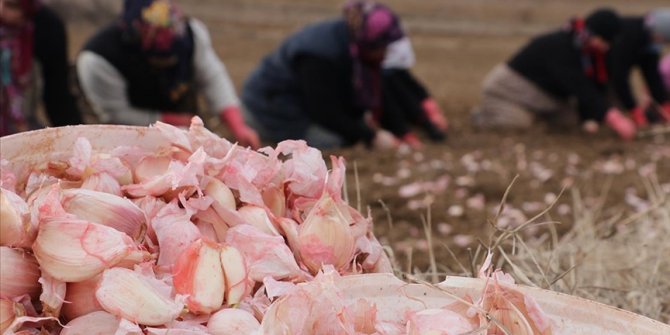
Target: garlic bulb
[(198, 275), (16, 229), (75, 250), (325, 236), (81, 298), (238, 283), (19, 273), (106, 209), (233, 321), (137, 297)]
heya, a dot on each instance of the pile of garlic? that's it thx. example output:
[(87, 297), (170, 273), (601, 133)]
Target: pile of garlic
[(180, 241)]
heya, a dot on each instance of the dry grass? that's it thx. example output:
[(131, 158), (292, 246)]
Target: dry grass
[(608, 256)]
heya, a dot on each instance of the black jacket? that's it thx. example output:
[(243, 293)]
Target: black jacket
[(634, 47), (554, 63), (51, 53)]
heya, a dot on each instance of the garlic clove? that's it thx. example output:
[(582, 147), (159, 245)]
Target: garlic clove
[(198, 275), (290, 229), (106, 209), (19, 273), (236, 272), (16, 229), (258, 217), (74, 250), (190, 327), (136, 297), (102, 182), (275, 199), (80, 298), (325, 237), (151, 166), (222, 195), (211, 218), (174, 232), (98, 323), (9, 310), (233, 321), (53, 295), (267, 255)]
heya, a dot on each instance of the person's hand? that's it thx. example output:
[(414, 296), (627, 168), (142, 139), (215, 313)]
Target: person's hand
[(434, 114), (244, 135), (622, 125), (665, 112), (590, 126), (176, 119), (638, 116), (412, 141), (384, 140)]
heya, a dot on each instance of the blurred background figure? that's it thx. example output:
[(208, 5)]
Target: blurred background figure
[(320, 84), (640, 45), (405, 100), (545, 77), (33, 50), (152, 65), (664, 69)]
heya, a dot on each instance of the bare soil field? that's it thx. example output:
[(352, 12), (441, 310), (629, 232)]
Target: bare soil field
[(457, 185)]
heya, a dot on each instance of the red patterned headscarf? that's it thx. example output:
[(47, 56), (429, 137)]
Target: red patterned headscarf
[(16, 65)]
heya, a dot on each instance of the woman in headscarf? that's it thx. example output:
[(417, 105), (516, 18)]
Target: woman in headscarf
[(33, 45), (543, 78), (640, 45), (406, 101), (323, 84), (152, 64)]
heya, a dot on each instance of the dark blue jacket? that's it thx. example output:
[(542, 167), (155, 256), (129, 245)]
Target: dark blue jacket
[(278, 92)]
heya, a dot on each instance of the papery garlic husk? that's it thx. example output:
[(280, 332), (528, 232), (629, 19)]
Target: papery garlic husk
[(136, 297), (518, 313), (9, 310), (98, 322), (135, 257), (238, 283), (438, 321), (258, 217), (75, 250), (222, 195), (290, 229), (53, 295), (209, 216), (275, 199), (364, 316), (149, 167), (233, 321), (80, 298), (106, 209), (19, 273), (16, 229), (198, 274), (102, 182), (266, 255), (325, 237), (188, 327)]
